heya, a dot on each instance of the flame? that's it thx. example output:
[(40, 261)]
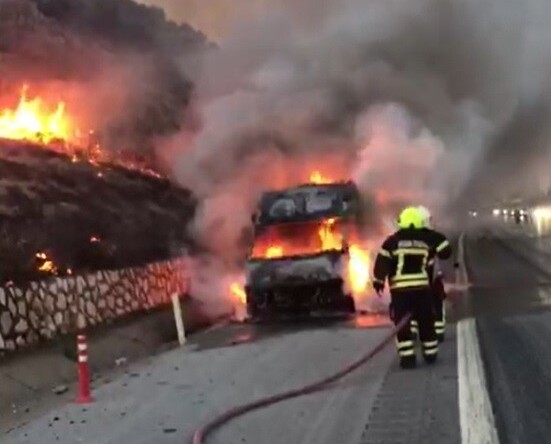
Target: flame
[(358, 269), (238, 292), (47, 265), (311, 238), (317, 178), (51, 126), (330, 239), (298, 239), (274, 251), (32, 121)]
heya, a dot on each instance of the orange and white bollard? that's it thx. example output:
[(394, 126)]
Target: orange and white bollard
[(84, 396)]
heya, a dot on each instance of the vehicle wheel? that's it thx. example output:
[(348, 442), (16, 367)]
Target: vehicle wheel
[(349, 304)]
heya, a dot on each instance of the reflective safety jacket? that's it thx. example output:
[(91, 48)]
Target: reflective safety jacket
[(407, 256)]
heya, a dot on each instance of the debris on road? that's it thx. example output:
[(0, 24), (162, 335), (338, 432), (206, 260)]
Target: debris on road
[(60, 389)]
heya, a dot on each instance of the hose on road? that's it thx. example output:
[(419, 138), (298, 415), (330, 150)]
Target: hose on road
[(201, 433)]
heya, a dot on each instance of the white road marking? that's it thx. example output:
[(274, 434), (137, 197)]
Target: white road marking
[(476, 417), (475, 410)]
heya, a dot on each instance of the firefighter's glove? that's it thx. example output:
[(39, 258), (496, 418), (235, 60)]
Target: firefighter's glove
[(379, 287), (438, 287)]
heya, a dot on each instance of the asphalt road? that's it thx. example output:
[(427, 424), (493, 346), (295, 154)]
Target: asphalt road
[(510, 269), (164, 400)]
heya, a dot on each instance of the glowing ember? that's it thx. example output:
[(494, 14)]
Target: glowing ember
[(32, 121), (317, 178), (238, 292), (47, 265), (94, 239)]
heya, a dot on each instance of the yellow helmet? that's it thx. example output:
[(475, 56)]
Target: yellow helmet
[(411, 217)]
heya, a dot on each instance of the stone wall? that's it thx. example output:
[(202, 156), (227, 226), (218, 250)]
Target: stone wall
[(43, 309)]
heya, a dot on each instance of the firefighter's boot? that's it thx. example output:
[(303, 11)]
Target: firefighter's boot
[(430, 351), (408, 362), (406, 351), (440, 321), (414, 328)]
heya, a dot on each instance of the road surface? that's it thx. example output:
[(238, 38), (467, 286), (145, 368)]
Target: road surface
[(164, 400), (511, 272)]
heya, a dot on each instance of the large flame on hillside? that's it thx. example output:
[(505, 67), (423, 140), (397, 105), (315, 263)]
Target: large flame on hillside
[(36, 121), (50, 124)]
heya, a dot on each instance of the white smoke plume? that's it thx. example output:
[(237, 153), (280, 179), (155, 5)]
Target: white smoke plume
[(411, 96)]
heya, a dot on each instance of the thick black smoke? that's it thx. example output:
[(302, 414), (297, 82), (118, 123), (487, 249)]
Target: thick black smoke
[(119, 62)]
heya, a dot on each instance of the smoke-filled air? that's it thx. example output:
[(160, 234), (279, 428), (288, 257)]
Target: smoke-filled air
[(436, 102), (418, 101)]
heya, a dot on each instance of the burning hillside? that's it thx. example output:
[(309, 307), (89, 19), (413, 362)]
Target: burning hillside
[(51, 126), (114, 67), (29, 120), (61, 216), (86, 87)]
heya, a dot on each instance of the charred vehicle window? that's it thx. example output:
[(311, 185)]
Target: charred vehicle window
[(307, 203)]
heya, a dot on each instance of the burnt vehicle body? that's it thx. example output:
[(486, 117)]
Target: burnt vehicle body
[(309, 279)]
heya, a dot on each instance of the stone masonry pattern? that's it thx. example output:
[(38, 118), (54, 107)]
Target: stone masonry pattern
[(43, 309)]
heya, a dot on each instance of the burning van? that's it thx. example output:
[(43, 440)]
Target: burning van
[(307, 255)]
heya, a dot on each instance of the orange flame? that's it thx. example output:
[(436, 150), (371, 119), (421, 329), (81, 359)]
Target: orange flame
[(32, 121), (317, 178), (274, 251), (47, 264), (330, 239), (358, 270), (48, 124), (298, 239), (239, 293)]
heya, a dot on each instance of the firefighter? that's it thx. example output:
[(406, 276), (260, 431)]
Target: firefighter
[(403, 261), (436, 277)]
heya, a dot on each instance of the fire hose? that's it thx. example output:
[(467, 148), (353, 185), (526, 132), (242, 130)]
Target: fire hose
[(202, 432)]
